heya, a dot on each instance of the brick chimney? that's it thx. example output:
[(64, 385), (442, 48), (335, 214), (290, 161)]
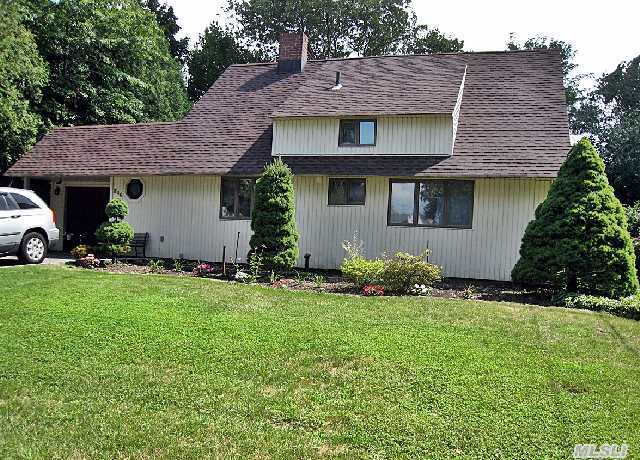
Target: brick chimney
[(293, 52)]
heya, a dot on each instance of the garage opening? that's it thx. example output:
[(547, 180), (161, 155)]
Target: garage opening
[(84, 212)]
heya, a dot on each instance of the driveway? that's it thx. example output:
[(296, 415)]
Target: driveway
[(54, 258)]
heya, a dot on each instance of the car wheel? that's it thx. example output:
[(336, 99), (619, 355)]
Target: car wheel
[(33, 249)]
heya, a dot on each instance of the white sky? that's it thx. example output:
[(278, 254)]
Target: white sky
[(603, 32)]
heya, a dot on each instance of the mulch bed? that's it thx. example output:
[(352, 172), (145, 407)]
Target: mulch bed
[(331, 281)]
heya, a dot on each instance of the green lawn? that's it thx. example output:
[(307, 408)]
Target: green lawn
[(105, 365)]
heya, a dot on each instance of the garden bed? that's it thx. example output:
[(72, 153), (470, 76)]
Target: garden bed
[(332, 282)]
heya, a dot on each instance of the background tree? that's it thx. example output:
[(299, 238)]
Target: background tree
[(23, 73), (273, 220), (217, 48), (168, 22), (424, 40), (611, 118), (573, 92), (338, 28), (109, 63), (579, 240)]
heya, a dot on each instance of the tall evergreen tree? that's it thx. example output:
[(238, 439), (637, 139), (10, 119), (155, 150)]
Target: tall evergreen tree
[(273, 220), (579, 239)]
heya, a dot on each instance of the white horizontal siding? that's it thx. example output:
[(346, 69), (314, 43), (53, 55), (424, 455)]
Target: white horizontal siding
[(402, 135), (185, 210)]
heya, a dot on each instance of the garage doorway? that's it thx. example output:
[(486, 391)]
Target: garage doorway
[(84, 212)]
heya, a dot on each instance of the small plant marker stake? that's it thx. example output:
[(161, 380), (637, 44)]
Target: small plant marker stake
[(235, 261), (224, 260)]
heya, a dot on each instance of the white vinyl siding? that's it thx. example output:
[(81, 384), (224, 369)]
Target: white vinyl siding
[(402, 135), (185, 210)]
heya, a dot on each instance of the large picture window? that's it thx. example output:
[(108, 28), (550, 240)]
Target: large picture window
[(236, 198), (354, 133), (347, 192), (431, 203)]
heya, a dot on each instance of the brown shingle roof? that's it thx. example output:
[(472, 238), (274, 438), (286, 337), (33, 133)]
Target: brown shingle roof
[(513, 121), (389, 86)]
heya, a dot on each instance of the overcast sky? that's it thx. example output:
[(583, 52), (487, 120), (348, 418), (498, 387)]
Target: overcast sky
[(603, 32)]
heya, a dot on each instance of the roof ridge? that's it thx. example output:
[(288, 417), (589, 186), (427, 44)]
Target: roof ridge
[(101, 125), (459, 53), (385, 56)]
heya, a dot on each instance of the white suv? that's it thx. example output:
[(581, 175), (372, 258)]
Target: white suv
[(27, 225)]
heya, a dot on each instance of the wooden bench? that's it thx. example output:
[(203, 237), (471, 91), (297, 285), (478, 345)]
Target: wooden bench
[(139, 244)]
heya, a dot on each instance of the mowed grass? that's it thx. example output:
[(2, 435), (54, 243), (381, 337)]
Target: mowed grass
[(97, 365)]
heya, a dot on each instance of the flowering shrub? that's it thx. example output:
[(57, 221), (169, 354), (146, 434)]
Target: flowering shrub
[(373, 290), (80, 251), (403, 271), (204, 271), (243, 277), (361, 271), (90, 261), (420, 289)]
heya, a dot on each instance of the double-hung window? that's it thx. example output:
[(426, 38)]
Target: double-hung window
[(357, 132), (431, 203), (236, 198)]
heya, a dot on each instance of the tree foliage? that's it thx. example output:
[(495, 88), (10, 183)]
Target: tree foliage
[(273, 220), (217, 48), (168, 22), (611, 118), (425, 40), (339, 28), (109, 63), (573, 93), (23, 73), (579, 239)]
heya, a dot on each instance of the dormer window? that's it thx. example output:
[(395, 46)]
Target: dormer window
[(358, 132)]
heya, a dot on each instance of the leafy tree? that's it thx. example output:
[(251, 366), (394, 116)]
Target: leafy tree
[(611, 118), (109, 63), (216, 49), (621, 88), (273, 220), (168, 22), (23, 73), (339, 28), (579, 239), (621, 154), (573, 92), (424, 40), (379, 27)]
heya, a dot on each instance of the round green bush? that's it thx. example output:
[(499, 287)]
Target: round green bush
[(404, 271), (361, 271), (117, 209), (119, 233)]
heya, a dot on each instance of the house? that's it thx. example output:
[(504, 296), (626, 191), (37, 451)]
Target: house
[(451, 152)]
